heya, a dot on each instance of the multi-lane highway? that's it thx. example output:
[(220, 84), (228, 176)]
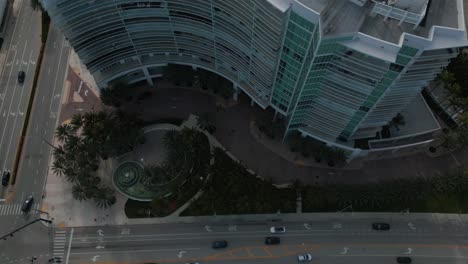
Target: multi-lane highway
[(21, 53), (338, 241), (34, 161), (21, 50)]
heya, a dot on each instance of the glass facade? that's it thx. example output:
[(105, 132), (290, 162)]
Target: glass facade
[(322, 84)]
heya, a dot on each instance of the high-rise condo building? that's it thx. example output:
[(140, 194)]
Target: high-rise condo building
[(337, 70)]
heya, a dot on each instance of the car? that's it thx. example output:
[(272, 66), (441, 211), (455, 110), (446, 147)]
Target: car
[(192, 263), (219, 244), (272, 240), (5, 177), (405, 260), (304, 258), (381, 226), (277, 229), (27, 204), (21, 76)]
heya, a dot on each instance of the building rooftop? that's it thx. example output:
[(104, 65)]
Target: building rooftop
[(383, 19), (415, 17), (420, 124)]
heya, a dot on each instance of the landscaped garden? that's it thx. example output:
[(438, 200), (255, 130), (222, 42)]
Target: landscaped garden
[(88, 140), (178, 178), (311, 148), (441, 194), (231, 189)]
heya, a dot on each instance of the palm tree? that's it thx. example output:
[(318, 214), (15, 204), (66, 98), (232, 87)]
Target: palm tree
[(63, 132), (446, 78), (77, 121), (73, 144), (58, 153), (104, 198), (78, 192), (397, 121), (58, 167), (71, 175), (35, 5), (205, 122)]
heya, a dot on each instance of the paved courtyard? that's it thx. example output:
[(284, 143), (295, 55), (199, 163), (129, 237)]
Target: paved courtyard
[(233, 131)]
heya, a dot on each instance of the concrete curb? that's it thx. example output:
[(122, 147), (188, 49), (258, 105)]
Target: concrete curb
[(298, 217)]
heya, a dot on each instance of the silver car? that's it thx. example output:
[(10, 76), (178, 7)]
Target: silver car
[(304, 258)]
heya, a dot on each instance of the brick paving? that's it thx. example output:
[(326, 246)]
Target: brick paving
[(79, 97)]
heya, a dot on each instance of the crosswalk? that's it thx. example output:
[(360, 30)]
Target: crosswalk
[(15, 209), (59, 245)]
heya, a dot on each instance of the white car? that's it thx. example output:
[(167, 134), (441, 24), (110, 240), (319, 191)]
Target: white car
[(304, 258), (277, 229)]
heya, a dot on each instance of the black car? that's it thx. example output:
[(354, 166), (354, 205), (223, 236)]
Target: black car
[(21, 76), (219, 244), (27, 204), (405, 260), (5, 177), (272, 240), (380, 226)]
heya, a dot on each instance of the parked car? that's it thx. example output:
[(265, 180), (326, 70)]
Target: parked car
[(5, 177), (405, 260), (219, 244), (277, 229), (304, 258), (27, 204), (381, 226), (21, 76), (272, 240), (192, 263)]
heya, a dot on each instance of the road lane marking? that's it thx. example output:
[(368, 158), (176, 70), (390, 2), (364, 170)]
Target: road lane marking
[(19, 105), (181, 253), (393, 255), (56, 74), (133, 251), (69, 246), (4, 111)]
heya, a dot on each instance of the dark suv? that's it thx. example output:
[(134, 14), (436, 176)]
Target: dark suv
[(27, 204), (5, 177), (272, 240), (405, 260), (21, 76), (219, 244), (380, 226)]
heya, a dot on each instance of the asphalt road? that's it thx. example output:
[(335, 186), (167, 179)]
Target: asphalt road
[(22, 54), (21, 49), (344, 241), (34, 161)]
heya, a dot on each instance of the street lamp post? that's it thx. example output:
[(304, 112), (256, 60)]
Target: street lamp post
[(24, 226)]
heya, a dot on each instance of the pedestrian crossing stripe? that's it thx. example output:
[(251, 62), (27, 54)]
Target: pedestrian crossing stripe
[(60, 237), (15, 209)]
